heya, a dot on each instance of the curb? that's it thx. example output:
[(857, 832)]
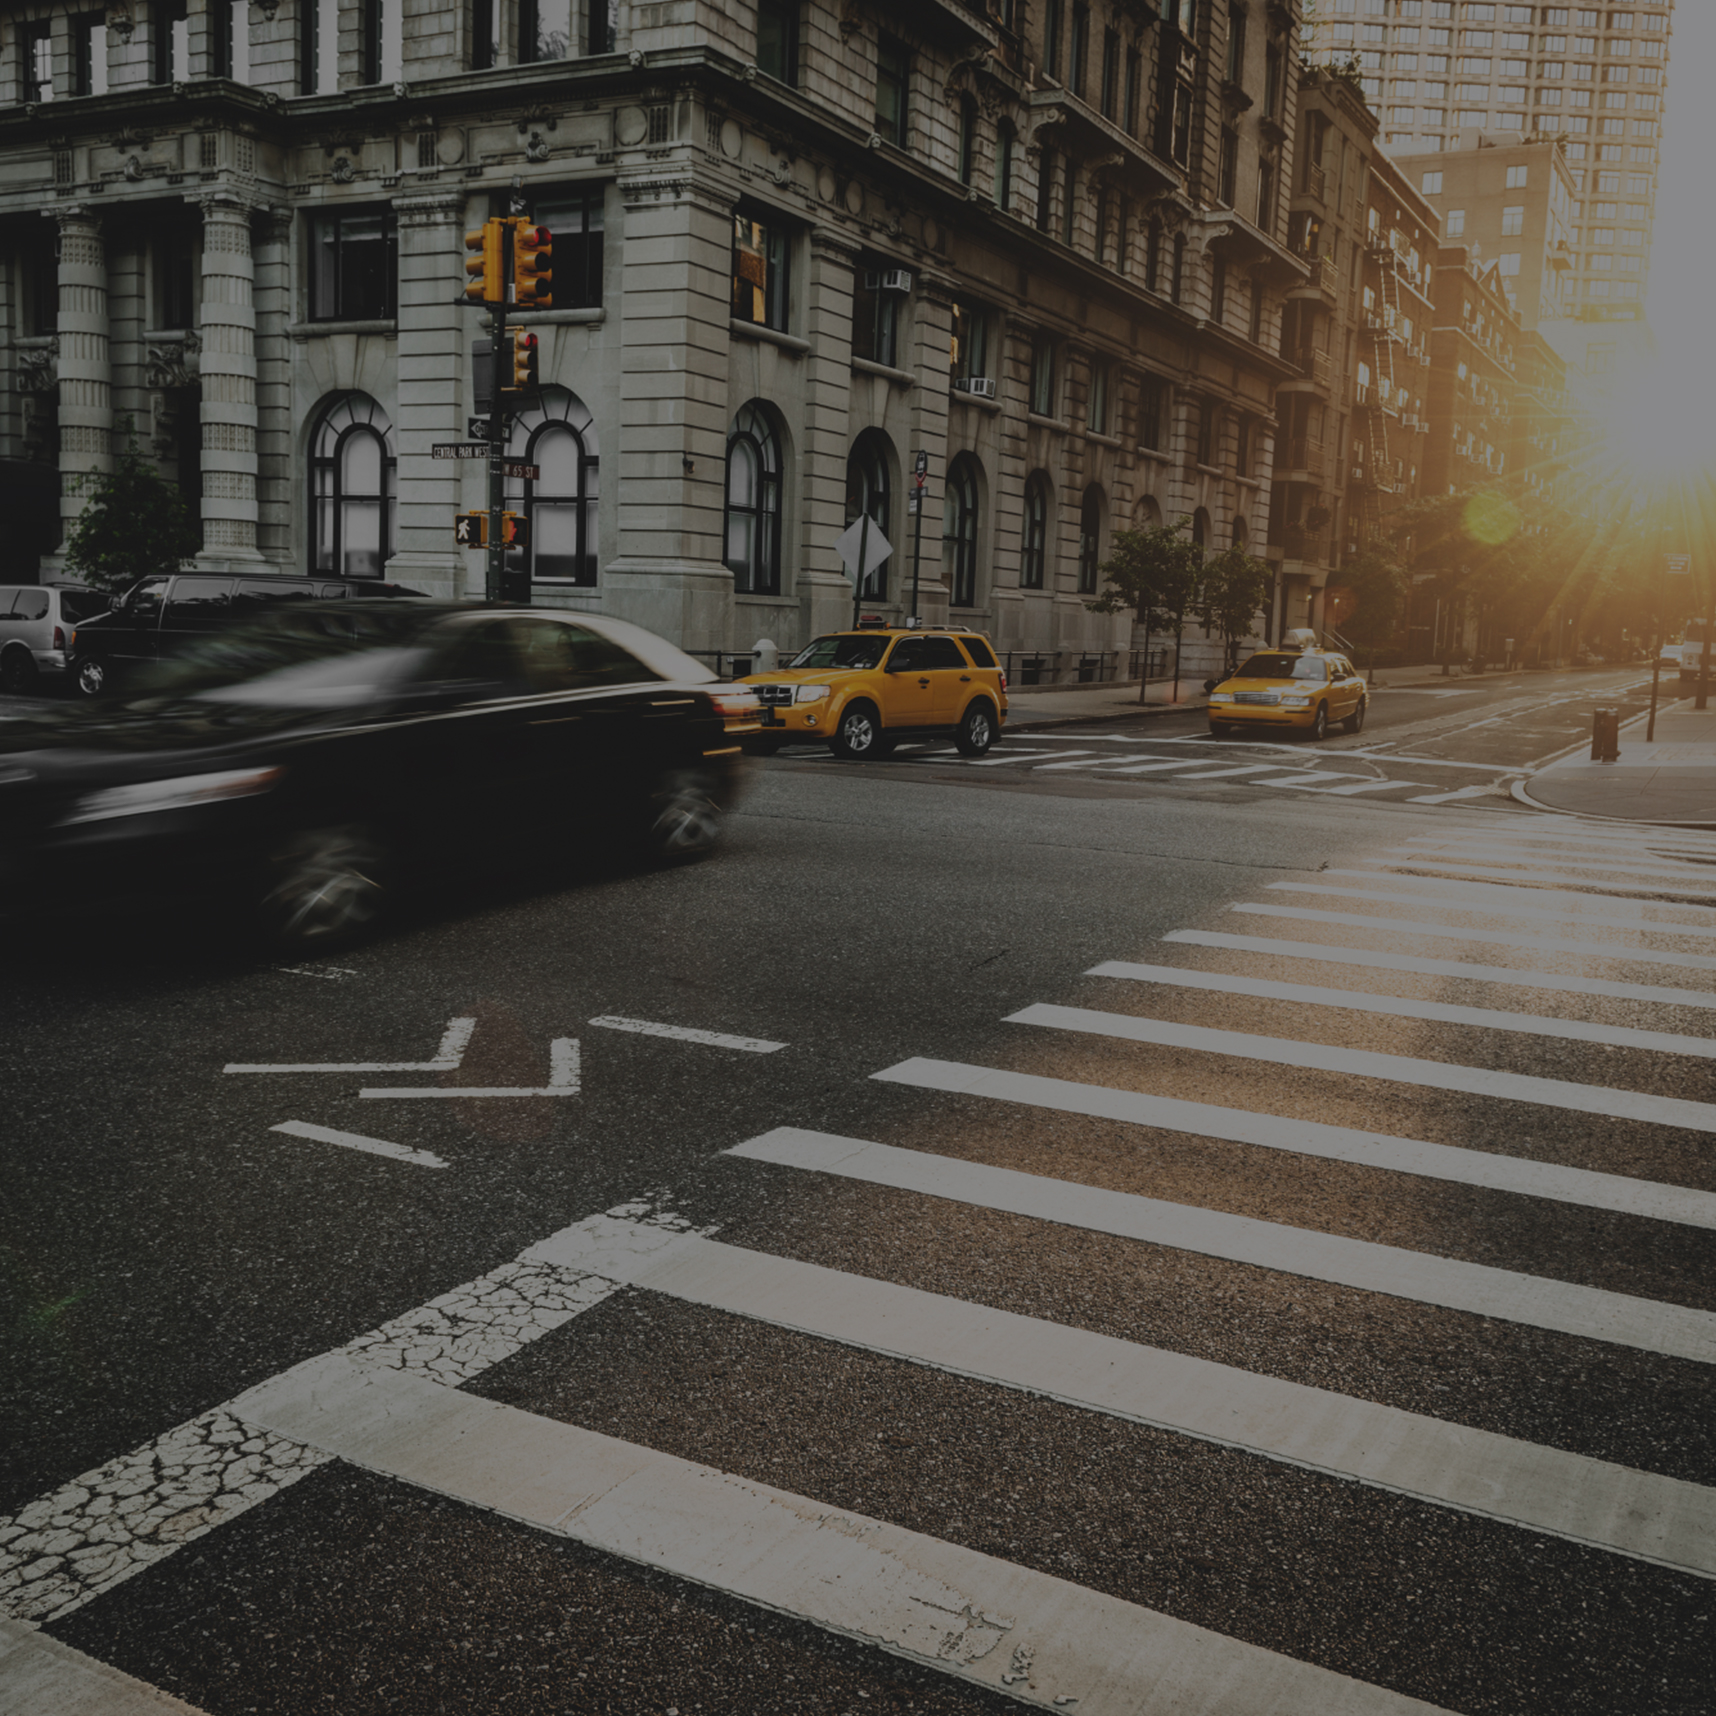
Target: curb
[(1517, 790)]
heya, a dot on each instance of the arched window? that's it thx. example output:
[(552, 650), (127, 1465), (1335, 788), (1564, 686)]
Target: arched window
[(1148, 514), (754, 503), (867, 493), (560, 440), (967, 138), (959, 532), (1241, 536), (1089, 539), (1201, 529), (352, 488), (1004, 135), (1035, 557)]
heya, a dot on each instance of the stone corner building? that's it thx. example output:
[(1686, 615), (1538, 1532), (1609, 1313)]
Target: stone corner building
[(1043, 241)]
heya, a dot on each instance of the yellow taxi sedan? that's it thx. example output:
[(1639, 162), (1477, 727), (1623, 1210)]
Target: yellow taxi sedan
[(1305, 689)]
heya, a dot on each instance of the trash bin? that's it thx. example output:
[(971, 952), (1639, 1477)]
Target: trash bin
[(1605, 735)]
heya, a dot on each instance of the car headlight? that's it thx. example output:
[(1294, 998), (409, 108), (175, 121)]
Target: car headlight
[(810, 693), (179, 793), (1295, 702), (1221, 697)]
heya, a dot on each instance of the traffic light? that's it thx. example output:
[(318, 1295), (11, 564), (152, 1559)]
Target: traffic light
[(526, 366), (487, 267), (471, 529), (532, 267), (515, 530)]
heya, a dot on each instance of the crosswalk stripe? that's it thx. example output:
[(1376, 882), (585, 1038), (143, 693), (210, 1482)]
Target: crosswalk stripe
[(1488, 938), (1454, 890), (1619, 1193), (970, 1616), (1489, 870), (1403, 1007), (1018, 757), (1223, 774), (686, 1034), (1535, 1301), (1145, 768), (1371, 959), (1449, 797), (1595, 1502), (46, 1678), (1095, 762), (1557, 864), (1368, 1063), (1469, 904)]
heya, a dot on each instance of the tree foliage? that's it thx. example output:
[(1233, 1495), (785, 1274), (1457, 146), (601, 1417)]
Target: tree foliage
[(1156, 573), (1235, 586), (1379, 585), (133, 525)]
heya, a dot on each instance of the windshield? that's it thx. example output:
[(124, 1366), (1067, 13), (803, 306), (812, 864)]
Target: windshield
[(1283, 666), (294, 658), (842, 650), (81, 605)]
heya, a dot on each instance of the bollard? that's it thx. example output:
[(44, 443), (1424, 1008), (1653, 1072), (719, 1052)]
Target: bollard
[(1605, 735)]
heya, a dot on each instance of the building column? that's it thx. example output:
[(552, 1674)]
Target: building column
[(228, 366), (823, 585), (275, 430), (86, 391), (431, 390), (932, 328)]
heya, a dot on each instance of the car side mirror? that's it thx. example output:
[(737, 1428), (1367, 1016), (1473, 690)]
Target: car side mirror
[(1211, 684)]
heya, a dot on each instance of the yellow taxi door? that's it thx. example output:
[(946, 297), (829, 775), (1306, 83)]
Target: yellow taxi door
[(906, 685), (949, 677)]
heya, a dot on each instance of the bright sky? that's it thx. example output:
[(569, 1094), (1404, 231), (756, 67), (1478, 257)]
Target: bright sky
[(1678, 411)]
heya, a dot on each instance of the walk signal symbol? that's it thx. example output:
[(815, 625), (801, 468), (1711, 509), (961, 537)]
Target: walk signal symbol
[(526, 360), (532, 267), (471, 530), (487, 267)]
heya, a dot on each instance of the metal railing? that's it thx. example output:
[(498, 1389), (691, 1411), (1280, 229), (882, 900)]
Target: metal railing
[(732, 663), (1060, 666)]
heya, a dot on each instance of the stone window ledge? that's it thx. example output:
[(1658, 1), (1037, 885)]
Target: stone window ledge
[(899, 377), (1159, 454), (768, 336), (587, 316), (311, 330), (958, 396), (754, 599), (1038, 421), (1103, 440)]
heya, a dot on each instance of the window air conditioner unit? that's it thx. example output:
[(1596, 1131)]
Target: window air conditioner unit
[(978, 386), (887, 279)]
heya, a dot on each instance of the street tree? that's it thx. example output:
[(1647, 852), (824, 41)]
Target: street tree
[(1379, 584), (1235, 588), (133, 525), (1154, 574)]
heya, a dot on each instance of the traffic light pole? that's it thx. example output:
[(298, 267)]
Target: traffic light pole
[(495, 565)]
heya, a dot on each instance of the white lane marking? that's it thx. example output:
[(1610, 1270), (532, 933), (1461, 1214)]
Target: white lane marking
[(1449, 797), (454, 1041), (1222, 774), (1094, 762), (1582, 1186), (684, 1034), (1514, 907), (1148, 768), (1019, 757), (1403, 1007), (1664, 1520), (1554, 864), (1452, 891), (1313, 781), (1368, 1063), (1371, 959), (563, 1079), (1381, 786), (1533, 1300), (972, 1617), (1549, 871), (356, 1141), (1488, 938), (334, 972), (46, 1678)]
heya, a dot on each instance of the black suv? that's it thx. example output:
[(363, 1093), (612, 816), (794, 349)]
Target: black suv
[(156, 618)]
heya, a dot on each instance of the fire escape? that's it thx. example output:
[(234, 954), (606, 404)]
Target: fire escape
[(1380, 471)]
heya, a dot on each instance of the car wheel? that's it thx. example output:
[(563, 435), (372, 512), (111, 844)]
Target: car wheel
[(1320, 724), (17, 672), (683, 820), (1354, 723), (858, 736), (90, 676), (324, 887), (977, 731)]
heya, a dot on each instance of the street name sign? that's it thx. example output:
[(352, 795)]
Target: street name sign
[(479, 450)]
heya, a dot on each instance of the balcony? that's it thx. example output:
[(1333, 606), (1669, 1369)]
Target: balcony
[(945, 22), (1305, 462), (1316, 182), (1075, 126), (1302, 548), (1313, 368), (1322, 286)]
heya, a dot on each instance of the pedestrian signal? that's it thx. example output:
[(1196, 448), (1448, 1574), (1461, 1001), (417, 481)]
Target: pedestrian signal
[(526, 372), (515, 530), (471, 530), (487, 266), (532, 267)]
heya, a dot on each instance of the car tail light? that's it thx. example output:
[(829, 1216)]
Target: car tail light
[(1003, 680), (60, 637)]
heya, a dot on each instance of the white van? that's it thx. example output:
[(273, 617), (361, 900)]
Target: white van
[(36, 626)]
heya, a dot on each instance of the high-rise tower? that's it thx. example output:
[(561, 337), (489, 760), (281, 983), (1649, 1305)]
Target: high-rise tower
[(1444, 72)]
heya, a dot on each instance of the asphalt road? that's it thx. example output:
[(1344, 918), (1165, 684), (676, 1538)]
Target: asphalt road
[(1314, 1305)]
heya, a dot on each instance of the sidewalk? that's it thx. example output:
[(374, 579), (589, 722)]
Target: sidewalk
[(1033, 707), (1670, 782)]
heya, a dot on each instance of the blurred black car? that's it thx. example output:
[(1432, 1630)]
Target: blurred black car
[(157, 618), (311, 763)]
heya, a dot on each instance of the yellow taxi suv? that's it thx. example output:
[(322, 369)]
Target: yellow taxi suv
[(861, 692), (1308, 689)]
